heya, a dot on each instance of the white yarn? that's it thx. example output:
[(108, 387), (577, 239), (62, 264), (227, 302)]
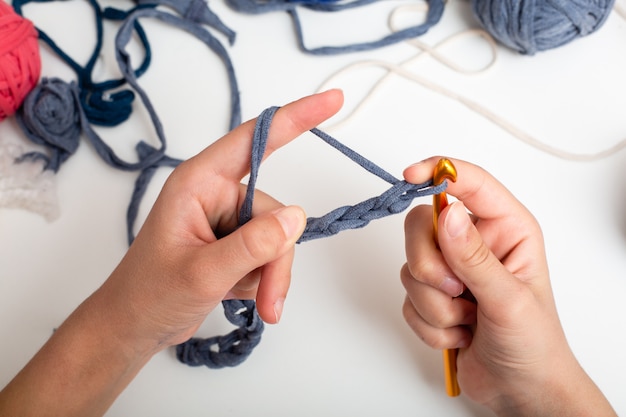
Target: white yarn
[(620, 10), (431, 51), (26, 185)]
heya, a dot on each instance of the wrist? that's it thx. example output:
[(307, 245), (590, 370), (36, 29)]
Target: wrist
[(562, 389), (80, 370), (124, 326)]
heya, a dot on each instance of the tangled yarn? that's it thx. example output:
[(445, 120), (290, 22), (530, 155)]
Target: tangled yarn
[(530, 26), (101, 105), (56, 113), (20, 64), (196, 11), (435, 11), (527, 26)]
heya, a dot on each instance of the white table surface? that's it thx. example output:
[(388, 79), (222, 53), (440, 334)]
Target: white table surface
[(342, 347)]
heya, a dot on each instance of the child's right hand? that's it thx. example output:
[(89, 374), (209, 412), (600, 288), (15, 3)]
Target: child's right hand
[(513, 356)]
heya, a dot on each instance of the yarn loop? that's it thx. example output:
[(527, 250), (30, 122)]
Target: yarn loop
[(20, 63), (235, 347), (228, 350), (395, 200)]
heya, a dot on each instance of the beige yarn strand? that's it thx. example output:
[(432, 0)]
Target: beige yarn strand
[(432, 51)]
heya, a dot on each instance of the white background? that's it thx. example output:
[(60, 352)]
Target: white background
[(342, 347)]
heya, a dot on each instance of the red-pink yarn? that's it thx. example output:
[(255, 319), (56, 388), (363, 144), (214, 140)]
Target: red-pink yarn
[(20, 63)]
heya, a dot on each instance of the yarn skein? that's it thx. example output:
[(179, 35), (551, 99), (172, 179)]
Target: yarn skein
[(531, 26), (20, 63)]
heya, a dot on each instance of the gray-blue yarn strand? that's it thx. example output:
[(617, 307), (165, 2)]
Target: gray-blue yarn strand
[(196, 11), (145, 151), (435, 11), (233, 348), (238, 344), (124, 61), (395, 200)]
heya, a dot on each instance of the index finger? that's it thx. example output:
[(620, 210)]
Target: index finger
[(229, 157), (479, 191)]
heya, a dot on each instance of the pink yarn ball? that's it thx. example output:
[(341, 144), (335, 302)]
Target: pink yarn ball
[(20, 63)]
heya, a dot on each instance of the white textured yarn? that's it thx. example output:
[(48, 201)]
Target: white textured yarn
[(26, 185), (620, 10), (425, 50)]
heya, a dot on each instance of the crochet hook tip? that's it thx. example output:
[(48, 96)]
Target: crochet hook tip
[(445, 170)]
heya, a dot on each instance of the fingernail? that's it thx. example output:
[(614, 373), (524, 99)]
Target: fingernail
[(291, 219), (278, 308), (457, 220), (451, 286)]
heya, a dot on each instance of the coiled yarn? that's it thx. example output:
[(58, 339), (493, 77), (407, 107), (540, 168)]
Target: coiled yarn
[(530, 26), (20, 63)]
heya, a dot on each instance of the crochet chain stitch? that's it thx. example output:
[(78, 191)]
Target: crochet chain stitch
[(395, 200), (233, 348)]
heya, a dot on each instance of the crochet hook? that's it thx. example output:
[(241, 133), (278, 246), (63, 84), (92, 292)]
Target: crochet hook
[(445, 170)]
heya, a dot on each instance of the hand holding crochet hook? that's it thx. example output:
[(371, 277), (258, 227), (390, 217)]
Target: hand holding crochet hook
[(513, 356)]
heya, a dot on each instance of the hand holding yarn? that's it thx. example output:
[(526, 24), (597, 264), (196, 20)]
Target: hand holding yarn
[(178, 246), (189, 255), (512, 345)]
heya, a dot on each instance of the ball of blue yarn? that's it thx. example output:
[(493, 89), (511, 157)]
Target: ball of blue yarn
[(530, 26)]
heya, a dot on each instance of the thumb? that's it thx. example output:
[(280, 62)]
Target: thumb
[(260, 241), (472, 261)]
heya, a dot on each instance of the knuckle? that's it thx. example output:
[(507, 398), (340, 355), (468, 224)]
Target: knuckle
[(429, 334), (249, 283), (258, 244), (435, 338), (443, 318), (477, 256), (415, 217), (422, 269), (406, 277), (408, 311)]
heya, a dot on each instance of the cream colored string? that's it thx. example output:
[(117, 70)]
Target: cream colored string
[(620, 9), (427, 50)]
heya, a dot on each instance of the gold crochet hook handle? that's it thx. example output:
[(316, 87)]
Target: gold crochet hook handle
[(445, 170)]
